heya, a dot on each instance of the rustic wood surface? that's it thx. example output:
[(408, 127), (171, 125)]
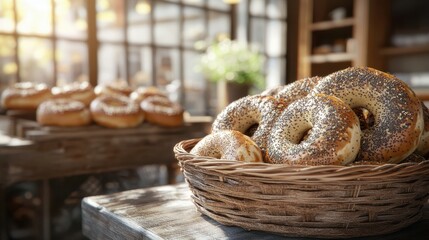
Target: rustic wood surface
[(49, 152), (167, 212)]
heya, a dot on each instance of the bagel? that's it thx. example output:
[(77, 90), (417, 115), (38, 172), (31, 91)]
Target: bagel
[(161, 111), (141, 93), (25, 96), (113, 88), (80, 91), (116, 111), (63, 112), (252, 115), (228, 144), (297, 89), (423, 147), (397, 112), (334, 136)]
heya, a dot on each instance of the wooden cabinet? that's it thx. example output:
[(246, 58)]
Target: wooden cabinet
[(390, 35), (403, 48), (332, 36)]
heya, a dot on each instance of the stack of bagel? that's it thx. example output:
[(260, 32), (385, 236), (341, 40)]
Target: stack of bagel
[(358, 115), (113, 105)]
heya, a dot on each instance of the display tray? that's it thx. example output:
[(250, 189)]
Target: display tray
[(306, 201)]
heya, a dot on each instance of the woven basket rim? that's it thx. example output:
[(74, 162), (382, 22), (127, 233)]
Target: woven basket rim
[(266, 171)]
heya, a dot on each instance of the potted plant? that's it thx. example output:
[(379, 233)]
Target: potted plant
[(233, 65)]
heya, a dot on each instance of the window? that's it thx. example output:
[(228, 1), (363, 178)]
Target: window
[(267, 28), (144, 42)]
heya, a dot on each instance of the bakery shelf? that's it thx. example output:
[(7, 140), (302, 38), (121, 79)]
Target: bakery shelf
[(392, 51), (331, 57), (327, 25)]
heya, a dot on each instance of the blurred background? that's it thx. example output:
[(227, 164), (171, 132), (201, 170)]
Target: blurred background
[(161, 43)]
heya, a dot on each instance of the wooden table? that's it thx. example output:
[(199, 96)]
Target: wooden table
[(43, 153), (167, 212)]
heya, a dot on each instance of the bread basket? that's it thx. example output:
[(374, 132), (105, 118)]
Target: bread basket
[(306, 201)]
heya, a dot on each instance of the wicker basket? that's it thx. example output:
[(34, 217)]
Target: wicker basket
[(316, 201)]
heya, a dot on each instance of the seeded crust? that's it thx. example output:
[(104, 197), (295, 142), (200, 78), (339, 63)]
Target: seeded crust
[(423, 147), (230, 145), (334, 137), (398, 117), (297, 89), (259, 112), (293, 91)]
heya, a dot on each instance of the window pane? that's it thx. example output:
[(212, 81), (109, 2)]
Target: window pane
[(257, 7), (110, 20), (195, 85), (257, 36), (275, 72), (71, 18), (166, 24), (111, 63), (140, 66), (167, 72), (6, 16), (194, 2), (36, 62), (139, 21), (8, 66), (276, 38), (194, 29), (219, 4), (34, 16), (277, 8), (72, 62), (219, 25)]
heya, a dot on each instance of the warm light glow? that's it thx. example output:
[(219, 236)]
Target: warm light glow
[(143, 7), (34, 16), (231, 1), (10, 68), (107, 16), (81, 24)]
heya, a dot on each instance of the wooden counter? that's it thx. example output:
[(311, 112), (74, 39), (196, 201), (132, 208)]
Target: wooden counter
[(43, 153), (168, 213)]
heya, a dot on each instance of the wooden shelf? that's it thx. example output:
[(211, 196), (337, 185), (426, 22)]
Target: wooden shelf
[(331, 57), (327, 25), (391, 51)]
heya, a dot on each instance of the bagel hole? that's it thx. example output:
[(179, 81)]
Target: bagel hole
[(366, 118), (304, 136), (251, 130)]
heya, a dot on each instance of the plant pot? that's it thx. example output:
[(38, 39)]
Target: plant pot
[(228, 92)]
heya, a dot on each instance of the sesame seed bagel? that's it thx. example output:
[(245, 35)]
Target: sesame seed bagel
[(398, 118), (293, 91), (230, 145), (63, 112), (297, 89), (423, 147), (252, 115), (116, 111), (333, 133)]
